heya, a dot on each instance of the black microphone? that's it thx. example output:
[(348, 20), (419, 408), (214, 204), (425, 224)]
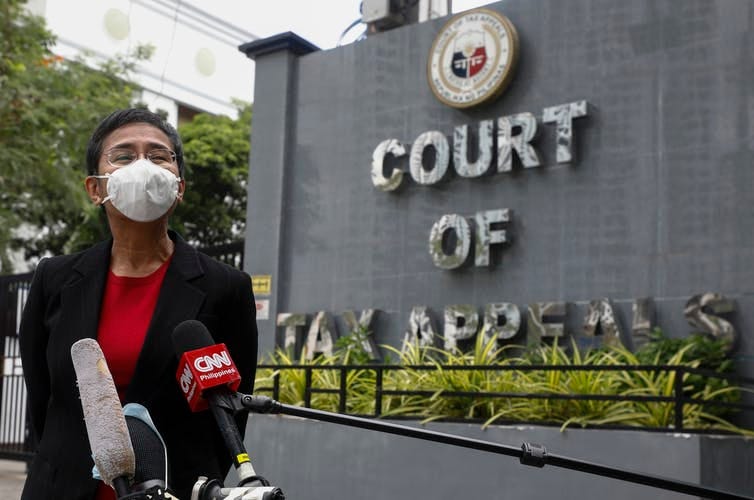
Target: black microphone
[(198, 365), (151, 475), (105, 425)]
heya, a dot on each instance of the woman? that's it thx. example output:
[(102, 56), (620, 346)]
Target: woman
[(129, 293)]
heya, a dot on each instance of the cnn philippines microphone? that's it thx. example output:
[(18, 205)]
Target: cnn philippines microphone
[(209, 378), (105, 425)]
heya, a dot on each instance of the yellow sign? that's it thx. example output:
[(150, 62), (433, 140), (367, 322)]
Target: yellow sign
[(242, 458), (261, 284)]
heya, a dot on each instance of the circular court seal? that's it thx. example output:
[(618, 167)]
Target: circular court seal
[(472, 58)]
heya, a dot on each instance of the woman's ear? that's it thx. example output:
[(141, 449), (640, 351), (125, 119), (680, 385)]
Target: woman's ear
[(92, 189), (181, 189)]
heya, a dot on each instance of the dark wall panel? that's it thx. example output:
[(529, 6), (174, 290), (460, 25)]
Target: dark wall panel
[(657, 203)]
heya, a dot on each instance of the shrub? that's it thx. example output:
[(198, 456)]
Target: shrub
[(439, 386)]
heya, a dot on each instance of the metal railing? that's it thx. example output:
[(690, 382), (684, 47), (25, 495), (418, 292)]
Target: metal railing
[(678, 399), (229, 253)]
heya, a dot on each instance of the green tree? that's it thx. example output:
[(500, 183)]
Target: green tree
[(48, 108), (216, 149)]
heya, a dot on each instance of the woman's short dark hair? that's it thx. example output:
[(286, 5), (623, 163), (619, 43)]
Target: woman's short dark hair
[(123, 117)]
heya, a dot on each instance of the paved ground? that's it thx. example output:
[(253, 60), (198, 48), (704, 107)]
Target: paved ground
[(12, 476)]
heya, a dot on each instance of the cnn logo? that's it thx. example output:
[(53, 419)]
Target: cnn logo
[(206, 364)]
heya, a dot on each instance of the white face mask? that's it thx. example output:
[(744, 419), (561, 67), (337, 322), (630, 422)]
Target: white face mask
[(141, 191)]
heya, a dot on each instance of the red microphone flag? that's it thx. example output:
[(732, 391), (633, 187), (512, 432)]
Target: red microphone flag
[(203, 369)]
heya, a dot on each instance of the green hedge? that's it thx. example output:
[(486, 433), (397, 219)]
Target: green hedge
[(695, 351)]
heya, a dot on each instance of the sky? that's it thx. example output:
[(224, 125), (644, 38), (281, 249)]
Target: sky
[(318, 21)]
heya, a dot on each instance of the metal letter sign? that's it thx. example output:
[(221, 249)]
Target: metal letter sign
[(321, 336), (420, 331), (362, 324), (461, 323), (600, 313), (492, 328), (507, 142), (702, 313), (463, 167), (545, 319), (460, 252), (435, 172), (291, 322), (395, 148), (486, 236), (563, 115)]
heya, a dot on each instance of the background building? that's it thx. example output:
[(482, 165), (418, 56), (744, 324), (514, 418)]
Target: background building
[(196, 65)]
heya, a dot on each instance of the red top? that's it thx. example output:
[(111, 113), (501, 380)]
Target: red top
[(127, 309)]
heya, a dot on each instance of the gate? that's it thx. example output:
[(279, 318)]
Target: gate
[(14, 436)]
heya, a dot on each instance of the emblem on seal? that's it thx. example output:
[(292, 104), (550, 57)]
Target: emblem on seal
[(472, 58)]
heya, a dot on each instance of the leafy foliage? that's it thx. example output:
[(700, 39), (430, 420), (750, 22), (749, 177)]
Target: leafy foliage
[(292, 383), (439, 387), (216, 149), (48, 108), (699, 350), (350, 348), (710, 352)]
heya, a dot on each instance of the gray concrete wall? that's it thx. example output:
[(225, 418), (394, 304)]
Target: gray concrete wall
[(658, 202), (309, 459)]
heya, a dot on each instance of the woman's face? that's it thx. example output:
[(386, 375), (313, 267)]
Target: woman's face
[(141, 139)]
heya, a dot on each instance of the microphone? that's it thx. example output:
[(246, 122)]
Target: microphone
[(105, 425), (203, 365), (151, 475), (209, 378)]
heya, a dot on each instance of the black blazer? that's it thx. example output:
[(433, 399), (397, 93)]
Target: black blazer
[(63, 306)]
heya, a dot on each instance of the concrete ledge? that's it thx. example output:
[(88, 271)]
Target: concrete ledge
[(282, 41), (310, 459)]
